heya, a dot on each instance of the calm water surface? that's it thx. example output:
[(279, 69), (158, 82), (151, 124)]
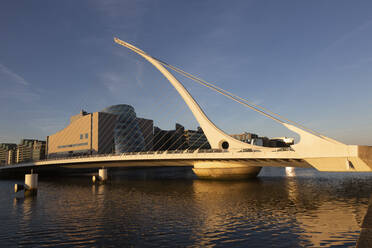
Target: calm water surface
[(309, 210)]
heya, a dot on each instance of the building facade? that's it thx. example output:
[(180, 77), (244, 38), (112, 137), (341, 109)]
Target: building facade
[(196, 139), (147, 129), (38, 150), (7, 153), (168, 139), (30, 150), (12, 156), (179, 139), (245, 137), (127, 132), (254, 139), (87, 133)]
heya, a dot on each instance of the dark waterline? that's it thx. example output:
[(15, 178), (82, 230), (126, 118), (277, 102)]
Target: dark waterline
[(149, 208)]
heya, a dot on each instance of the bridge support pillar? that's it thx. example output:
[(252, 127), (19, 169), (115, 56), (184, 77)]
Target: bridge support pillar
[(31, 183), (102, 176), (225, 170)]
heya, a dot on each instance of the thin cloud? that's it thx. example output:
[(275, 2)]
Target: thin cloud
[(14, 77), (15, 87), (115, 83), (350, 34)]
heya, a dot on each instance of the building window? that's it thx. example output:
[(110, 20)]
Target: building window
[(81, 136), (86, 136)]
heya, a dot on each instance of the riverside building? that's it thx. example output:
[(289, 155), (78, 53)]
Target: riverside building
[(245, 137), (30, 150), (87, 133), (168, 139), (7, 153), (196, 139), (179, 139), (254, 139), (147, 129), (117, 129), (127, 132)]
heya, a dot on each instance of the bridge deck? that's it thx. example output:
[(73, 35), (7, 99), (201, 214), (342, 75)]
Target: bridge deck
[(357, 160), (280, 157)]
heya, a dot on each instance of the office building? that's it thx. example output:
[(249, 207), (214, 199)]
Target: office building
[(127, 132), (254, 139), (87, 133), (168, 139), (7, 153), (196, 139), (179, 139), (38, 150), (30, 150), (245, 137), (147, 129)]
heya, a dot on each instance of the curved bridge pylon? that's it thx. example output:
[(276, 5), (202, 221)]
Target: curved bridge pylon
[(217, 138)]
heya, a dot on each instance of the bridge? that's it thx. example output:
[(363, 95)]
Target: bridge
[(228, 157)]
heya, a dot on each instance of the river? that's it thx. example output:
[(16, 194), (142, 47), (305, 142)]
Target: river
[(162, 208)]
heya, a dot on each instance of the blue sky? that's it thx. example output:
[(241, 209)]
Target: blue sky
[(310, 61)]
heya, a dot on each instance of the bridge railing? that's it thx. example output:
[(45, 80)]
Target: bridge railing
[(155, 153), (281, 149)]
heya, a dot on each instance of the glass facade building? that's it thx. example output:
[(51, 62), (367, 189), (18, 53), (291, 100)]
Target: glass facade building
[(127, 133)]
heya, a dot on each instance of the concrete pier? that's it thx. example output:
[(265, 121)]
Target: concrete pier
[(102, 174), (31, 184), (225, 170)]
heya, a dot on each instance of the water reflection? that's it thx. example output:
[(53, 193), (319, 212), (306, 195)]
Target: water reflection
[(270, 211), (27, 205), (248, 208), (290, 171)]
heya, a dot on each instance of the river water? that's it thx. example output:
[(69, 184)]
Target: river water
[(160, 208)]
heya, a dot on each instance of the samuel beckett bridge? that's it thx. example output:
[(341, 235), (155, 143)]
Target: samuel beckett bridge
[(210, 152)]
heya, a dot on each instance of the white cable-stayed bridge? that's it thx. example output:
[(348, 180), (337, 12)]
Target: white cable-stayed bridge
[(225, 155)]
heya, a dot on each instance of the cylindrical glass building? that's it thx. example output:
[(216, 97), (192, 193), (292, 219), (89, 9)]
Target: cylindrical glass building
[(127, 133)]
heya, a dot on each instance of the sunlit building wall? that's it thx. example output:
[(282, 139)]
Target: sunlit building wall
[(87, 133), (11, 156)]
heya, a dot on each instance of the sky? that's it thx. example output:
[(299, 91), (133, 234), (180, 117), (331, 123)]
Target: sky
[(310, 61)]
